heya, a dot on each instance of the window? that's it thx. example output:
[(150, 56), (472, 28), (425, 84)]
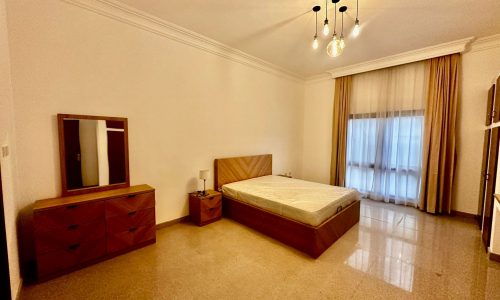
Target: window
[(384, 155)]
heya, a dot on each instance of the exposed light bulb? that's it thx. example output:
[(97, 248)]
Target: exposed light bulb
[(333, 49), (326, 29), (315, 43), (329, 49), (357, 29), (342, 42), (339, 50)]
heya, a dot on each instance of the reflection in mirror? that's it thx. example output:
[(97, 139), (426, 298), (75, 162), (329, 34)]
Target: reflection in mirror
[(94, 152)]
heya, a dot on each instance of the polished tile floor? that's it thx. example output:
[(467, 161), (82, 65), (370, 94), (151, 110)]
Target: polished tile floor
[(393, 253)]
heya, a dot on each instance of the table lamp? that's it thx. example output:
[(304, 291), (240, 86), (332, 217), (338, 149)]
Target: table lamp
[(204, 176)]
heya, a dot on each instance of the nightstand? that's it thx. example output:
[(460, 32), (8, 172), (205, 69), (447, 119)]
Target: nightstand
[(205, 209)]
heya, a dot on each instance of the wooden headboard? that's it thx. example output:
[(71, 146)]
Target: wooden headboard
[(227, 170)]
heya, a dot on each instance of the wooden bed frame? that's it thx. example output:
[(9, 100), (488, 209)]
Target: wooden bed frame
[(313, 240)]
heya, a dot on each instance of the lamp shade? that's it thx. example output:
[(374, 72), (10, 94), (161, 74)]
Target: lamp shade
[(204, 174)]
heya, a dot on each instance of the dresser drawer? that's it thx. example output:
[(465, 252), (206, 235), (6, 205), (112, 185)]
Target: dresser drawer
[(131, 203), (129, 221), (63, 216), (72, 256), (50, 239), (210, 213), (126, 239), (213, 202)]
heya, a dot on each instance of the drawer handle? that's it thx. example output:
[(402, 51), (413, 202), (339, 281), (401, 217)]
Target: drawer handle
[(73, 206), (132, 229), (131, 213), (74, 246), (131, 196), (73, 226)]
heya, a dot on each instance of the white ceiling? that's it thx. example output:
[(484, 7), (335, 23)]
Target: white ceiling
[(281, 32)]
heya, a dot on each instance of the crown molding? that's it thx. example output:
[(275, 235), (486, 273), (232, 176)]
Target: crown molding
[(318, 78), (403, 58), (131, 16), (485, 43)]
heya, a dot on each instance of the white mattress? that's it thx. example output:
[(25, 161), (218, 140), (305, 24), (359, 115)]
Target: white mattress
[(304, 201)]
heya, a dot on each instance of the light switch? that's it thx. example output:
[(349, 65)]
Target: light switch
[(5, 151)]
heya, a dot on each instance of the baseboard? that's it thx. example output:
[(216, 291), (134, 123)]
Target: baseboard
[(171, 222), (463, 215), (495, 257)]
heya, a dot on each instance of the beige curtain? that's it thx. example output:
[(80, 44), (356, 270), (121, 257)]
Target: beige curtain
[(385, 133), (343, 86), (439, 150)]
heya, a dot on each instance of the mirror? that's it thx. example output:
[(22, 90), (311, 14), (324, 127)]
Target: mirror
[(93, 152)]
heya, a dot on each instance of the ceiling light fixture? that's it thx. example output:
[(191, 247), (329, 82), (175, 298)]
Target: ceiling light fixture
[(315, 44), (357, 29), (326, 28), (342, 10), (333, 49), (337, 45)]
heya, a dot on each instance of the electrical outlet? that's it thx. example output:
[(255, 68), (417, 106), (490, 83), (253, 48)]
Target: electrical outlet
[(5, 151)]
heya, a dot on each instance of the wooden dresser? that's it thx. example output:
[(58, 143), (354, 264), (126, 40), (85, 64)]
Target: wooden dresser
[(72, 232)]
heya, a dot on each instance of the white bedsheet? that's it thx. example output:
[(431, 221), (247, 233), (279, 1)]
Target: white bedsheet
[(304, 201)]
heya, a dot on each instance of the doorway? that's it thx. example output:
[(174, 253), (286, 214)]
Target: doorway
[(4, 259)]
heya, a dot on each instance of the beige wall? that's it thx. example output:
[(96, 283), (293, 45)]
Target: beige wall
[(318, 116), (478, 70), (8, 163), (185, 106)]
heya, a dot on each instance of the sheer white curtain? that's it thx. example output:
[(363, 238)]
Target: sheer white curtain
[(384, 143)]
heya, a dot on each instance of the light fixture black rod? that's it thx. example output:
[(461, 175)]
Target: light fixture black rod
[(316, 34), (326, 9), (357, 9), (335, 26), (342, 33)]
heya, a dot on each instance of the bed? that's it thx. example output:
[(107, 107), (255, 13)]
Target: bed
[(280, 207)]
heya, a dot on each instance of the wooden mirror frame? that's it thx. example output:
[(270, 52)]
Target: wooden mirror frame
[(62, 155)]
